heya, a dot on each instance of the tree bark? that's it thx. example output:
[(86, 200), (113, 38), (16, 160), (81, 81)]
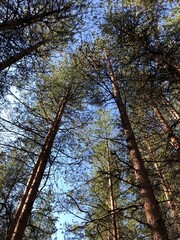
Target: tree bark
[(111, 195), (25, 206), (151, 207), (174, 141)]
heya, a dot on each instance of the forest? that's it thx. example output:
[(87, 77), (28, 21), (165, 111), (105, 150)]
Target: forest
[(89, 120)]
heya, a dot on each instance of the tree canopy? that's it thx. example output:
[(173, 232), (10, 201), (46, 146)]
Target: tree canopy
[(89, 120)]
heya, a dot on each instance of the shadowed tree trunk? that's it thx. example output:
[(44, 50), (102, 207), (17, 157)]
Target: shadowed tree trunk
[(151, 207), (25, 206), (24, 52)]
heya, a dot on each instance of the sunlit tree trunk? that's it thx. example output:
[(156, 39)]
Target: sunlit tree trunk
[(166, 188), (151, 207), (174, 141), (111, 195), (25, 206), (171, 109)]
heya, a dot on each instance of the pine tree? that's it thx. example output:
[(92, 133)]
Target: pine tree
[(30, 31), (65, 94)]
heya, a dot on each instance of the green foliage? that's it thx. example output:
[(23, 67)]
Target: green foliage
[(89, 154), (42, 221), (30, 33)]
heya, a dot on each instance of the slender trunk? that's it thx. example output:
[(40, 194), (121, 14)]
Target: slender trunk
[(24, 52), (111, 195), (151, 207), (24, 209), (171, 109), (167, 191), (174, 141)]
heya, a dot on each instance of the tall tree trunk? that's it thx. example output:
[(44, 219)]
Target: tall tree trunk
[(151, 207), (25, 206), (111, 195), (174, 141)]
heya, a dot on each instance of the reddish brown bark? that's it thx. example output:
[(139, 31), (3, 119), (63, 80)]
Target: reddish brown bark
[(151, 207), (24, 209), (174, 141)]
